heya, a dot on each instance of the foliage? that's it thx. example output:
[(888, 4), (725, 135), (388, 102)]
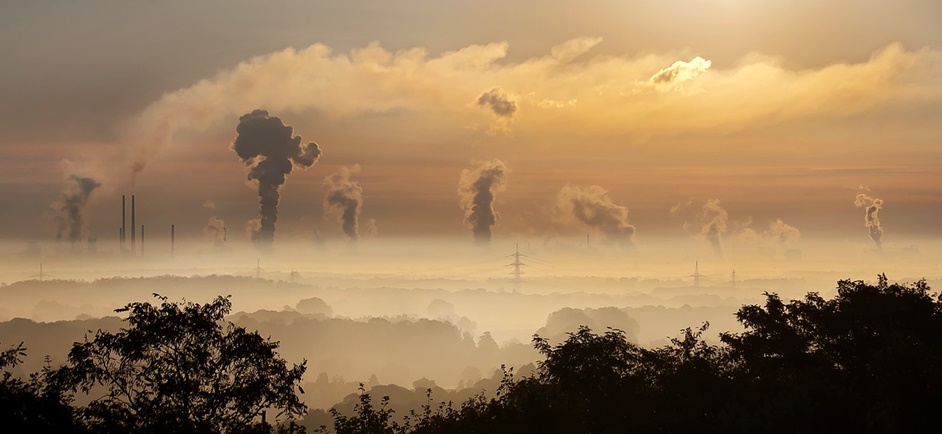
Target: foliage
[(178, 367), (865, 361), (35, 404)]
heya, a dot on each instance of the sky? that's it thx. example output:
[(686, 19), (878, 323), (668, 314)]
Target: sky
[(631, 120)]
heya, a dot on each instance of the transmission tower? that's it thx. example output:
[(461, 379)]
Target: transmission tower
[(696, 274), (517, 267)]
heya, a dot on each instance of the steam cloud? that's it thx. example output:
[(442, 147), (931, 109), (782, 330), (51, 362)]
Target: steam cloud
[(266, 145), (872, 216), (714, 219), (594, 208), (215, 229), (345, 199), (70, 208), (783, 232), (476, 188), (498, 102)]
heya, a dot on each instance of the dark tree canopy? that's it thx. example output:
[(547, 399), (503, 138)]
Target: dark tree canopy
[(179, 367), (865, 361)]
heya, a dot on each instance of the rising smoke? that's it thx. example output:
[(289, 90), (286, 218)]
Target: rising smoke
[(595, 209), (872, 207), (215, 230), (69, 210), (270, 150), (476, 188), (498, 102), (714, 219), (344, 199)]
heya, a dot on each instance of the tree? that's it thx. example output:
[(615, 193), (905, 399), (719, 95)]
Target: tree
[(33, 405), (179, 367), (865, 361)]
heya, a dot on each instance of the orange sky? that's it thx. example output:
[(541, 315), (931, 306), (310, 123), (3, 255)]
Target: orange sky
[(779, 112)]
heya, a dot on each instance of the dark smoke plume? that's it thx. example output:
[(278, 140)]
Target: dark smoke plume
[(498, 102), (594, 208), (872, 216), (345, 199), (476, 188), (714, 219), (270, 151), (71, 206)]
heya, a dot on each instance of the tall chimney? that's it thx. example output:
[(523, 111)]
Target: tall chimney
[(171, 239), (133, 226), (123, 224), (142, 240)]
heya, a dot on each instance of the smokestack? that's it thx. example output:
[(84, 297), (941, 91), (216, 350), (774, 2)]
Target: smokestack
[(270, 150), (133, 225), (123, 223), (142, 240), (171, 240)]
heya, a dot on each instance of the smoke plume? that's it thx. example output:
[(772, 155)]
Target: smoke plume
[(594, 208), (872, 216), (70, 208), (476, 188), (714, 219), (782, 232), (270, 150), (498, 102), (215, 230), (345, 199)]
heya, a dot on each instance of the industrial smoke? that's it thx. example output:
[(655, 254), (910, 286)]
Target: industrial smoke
[(476, 189), (270, 150)]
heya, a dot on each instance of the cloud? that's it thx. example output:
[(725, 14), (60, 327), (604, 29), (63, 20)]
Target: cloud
[(208, 204), (675, 76), (498, 102), (611, 93)]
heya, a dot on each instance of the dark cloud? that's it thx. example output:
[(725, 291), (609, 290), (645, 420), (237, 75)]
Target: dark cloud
[(476, 188), (498, 102), (594, 208), (270, 150), (344, 198), (69, 210), (872, 206)]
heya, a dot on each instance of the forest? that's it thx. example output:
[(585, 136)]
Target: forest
[(864, 360)]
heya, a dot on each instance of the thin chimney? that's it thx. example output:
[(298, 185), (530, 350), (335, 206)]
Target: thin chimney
[(133, 226), (123, 223), (142, 240)]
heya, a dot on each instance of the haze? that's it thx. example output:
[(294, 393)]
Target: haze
[(658, 164)]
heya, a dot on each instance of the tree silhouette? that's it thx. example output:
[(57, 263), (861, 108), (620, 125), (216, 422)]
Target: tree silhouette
[(33, 405), (178, 367), (865, 361)]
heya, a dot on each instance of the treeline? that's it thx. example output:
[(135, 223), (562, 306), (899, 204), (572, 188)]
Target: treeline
[(864, 361)]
